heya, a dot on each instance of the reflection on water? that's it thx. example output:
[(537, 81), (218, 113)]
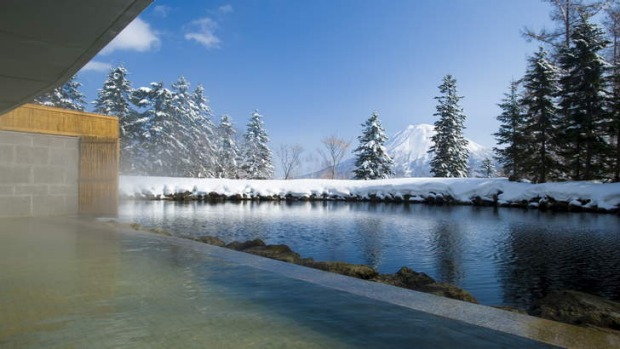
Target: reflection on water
[(502, 256)]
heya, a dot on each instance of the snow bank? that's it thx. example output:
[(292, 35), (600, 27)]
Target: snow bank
[(586, 195)]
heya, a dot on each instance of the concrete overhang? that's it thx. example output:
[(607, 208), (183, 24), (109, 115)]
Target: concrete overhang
[(43, 42)]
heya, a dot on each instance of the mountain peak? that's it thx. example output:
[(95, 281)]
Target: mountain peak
[(409, 150)]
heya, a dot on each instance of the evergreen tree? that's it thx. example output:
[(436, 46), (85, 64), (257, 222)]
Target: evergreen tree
[(205, 136), (449, 149), (614, 122), (372, 160), (114, 99), (582, 102), (510, 134), (540, 122), (162, 149), (613, 103), (67, 96), (257, 159), (487, 168), (227, 151), (187, 117)]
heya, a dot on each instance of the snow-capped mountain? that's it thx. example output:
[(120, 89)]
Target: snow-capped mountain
[(409, 150)]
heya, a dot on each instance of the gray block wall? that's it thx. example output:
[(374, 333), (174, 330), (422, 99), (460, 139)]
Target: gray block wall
[(38, 174)]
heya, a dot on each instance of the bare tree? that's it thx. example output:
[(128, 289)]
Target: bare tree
[(333, 151), (290, 158), (566, 13)]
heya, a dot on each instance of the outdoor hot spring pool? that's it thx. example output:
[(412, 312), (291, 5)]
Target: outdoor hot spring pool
[(502, 256), (70, 283)]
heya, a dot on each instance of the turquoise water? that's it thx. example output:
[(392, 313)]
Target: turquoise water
[(502, 256), (66, 283)]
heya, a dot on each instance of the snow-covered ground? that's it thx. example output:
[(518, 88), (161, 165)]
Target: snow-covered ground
[(463, 190)]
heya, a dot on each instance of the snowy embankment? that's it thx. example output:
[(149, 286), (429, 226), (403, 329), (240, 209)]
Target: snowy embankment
[(575, 196)]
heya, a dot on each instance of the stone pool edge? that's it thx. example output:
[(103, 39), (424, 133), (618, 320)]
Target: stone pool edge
[(546, 331)]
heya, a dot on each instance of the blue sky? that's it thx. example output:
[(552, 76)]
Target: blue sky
[(321, 67)]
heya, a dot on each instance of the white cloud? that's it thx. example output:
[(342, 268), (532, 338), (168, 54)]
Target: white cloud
[(161, 10), (96, 66), (203, 31), (225, 9), (137, 36)]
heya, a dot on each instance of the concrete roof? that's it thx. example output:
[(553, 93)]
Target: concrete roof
[(43, 42)]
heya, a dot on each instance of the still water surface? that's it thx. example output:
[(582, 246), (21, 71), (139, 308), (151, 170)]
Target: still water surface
[(67, 283), (502, 256)]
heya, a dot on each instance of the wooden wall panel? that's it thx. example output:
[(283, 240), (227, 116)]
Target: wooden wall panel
[(47, 120), (98, 175)]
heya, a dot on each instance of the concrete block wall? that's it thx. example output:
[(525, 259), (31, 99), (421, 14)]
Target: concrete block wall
[(38, 174)]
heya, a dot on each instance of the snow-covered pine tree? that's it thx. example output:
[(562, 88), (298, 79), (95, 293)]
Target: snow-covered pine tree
[(204, 134), (540, 122), (372, 160), (582, 101), (613, 102), (162, 147), (114, 99), (67, 96), (449, 149), (257, 158), (510, 134), (227, 151), (487, 168), (186, 117)]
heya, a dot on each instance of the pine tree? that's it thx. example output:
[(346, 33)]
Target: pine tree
[(188, 116), (227, 151), (540, 122), (487, 168), (372, 160), (205, 136), (449, 149), (114, 99), (510, 134), (613, 102), (162, 151), (582, 102), (66, 96), (257, 159)]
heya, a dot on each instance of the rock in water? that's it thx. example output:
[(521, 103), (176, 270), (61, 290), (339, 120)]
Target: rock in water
[(448, 290), (580, 308), (359, 271), (240, 246), (279, 252), (211, 240)]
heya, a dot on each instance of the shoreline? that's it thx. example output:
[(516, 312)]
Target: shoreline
[(488, 192)]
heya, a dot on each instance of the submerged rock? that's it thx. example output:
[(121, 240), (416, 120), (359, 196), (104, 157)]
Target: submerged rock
[(448, 290), (579, 308), (359, 271), (160, 231), (240, 246), (406, 278), (410, 279), (279, 252), (211, 240)]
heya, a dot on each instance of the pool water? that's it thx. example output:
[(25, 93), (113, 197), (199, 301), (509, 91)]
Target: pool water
[(70, 283)]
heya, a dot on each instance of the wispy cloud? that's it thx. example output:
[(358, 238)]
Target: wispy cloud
[(161, 10), (137, 36), (203, 31), (224, 9), (96, 66)]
